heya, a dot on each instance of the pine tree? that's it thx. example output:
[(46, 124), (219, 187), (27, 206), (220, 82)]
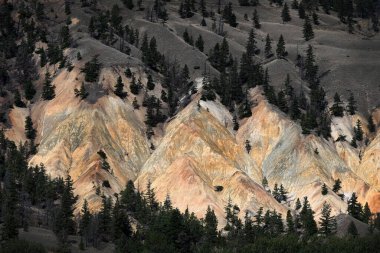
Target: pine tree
[(199, 43), (358, 131), (352, 230), (150, 84), (308, 32), (337, 109), (337, 185), (295, 5), (265, 183), (67, 7), (307, 218), (48, 90), (134, 86), (324, 189), (256, 20), (315, 18), (64, 223), (82, 92), (327, 222), (65, 37), (290, 223), (30, 132), (135, 104), (211, 224), (354, 207), (248, 146), (301, 11), (91, 69), (281, 102), (29, 90), (17, 99), (280, 51), (351, 104), (129, 4), (268, 47), (371, 124), (298, 204), (119, 88), (9, 207), (251, 44), (285, 15), (366, 213), (85, 220)]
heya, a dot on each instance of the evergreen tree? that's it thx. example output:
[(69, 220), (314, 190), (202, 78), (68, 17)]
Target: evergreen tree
[(298, 204), (65, 37), (30, 132), (371, 124), (280, 51), (207, 91), (308, 32), (337, 185), (337, 109), (105, 219), (85, 221), (256, 20), (354, 207), (17, 99), (351, 104), (307, 218), (285, 15), (295, 5), (91, 69), (290, 223), (82, 92), (327, 222), (281, 102), (358, 131), (366, 213), (251, 44), (29, 90), (268, 47), (324, 190), (211, 224), (265, 183), (150, 84), (64, 222), (301, 11), (9, 207), (315, 18), (134, 86), (48, 90), (248, 146), (119, 88), (199, 43), (129, 4)]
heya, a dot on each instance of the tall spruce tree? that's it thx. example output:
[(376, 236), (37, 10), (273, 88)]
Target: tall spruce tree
[(351, 104), (285, 14), (48, 90), (256, 19), (308, 32), (337, 109), (119, 88), (281, 51), (268, 47), (327, 222)]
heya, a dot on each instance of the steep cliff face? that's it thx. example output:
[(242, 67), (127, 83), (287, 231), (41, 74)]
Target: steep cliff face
[(301, 163), (72, 131), (199, 163)]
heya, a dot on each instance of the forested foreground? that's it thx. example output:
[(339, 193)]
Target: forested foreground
[(137, 222)]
